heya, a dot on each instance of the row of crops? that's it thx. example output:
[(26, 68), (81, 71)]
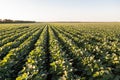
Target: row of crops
[(54, 51)]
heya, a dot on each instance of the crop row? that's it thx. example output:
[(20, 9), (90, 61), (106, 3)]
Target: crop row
[(61, 52)]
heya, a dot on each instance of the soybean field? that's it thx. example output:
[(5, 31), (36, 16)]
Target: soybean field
[(60, 51)]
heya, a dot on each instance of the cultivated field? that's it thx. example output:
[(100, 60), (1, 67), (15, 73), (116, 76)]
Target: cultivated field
[(60, 51)]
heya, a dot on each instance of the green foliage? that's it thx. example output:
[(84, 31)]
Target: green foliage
[(81, 51)]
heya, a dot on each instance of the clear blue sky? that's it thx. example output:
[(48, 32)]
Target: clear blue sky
[(61, 10)]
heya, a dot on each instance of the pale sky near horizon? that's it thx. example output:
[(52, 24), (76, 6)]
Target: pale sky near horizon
[(60, 10)]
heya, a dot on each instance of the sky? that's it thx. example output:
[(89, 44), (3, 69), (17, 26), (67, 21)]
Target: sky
[(60, 10)]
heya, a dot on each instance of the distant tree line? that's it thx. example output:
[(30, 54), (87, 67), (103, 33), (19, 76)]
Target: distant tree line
[(14, 21)]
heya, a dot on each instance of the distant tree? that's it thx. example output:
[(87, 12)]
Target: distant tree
[(14, 21), (0, 20), (7, 21)]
